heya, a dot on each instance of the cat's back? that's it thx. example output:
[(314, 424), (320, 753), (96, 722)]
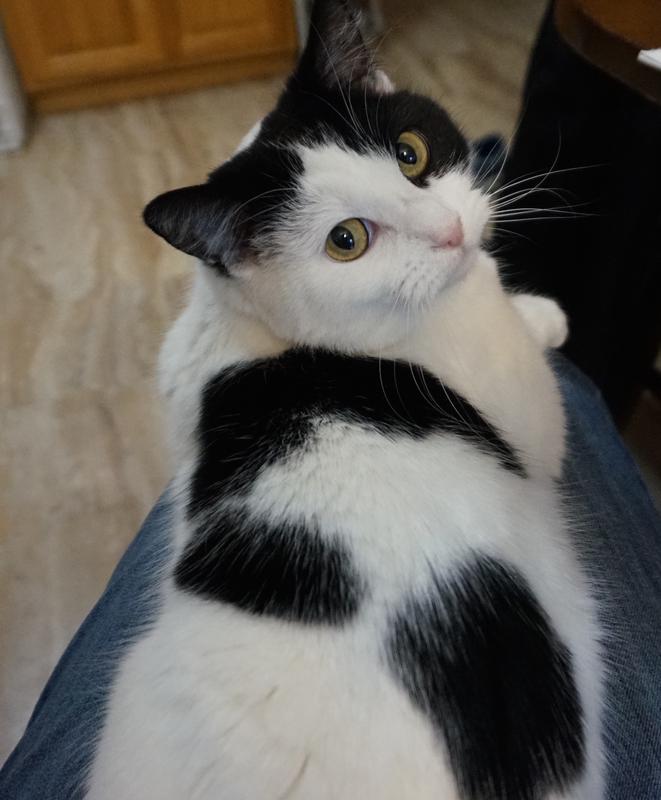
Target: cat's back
[(370, 592)]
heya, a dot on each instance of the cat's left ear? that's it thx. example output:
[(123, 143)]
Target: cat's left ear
[(336, 55), (198, 220)]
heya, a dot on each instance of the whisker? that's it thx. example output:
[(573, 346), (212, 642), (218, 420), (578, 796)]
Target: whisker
[(510, 199), (485, 163), (509, 232), (533, 219), (536, 175), (508, 147), (513, 213)]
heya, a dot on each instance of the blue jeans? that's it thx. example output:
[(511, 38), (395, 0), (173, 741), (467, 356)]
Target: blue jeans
[(619, 538)]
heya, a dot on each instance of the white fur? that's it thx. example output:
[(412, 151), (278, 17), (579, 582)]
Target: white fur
[(368, 303), (215, 704)]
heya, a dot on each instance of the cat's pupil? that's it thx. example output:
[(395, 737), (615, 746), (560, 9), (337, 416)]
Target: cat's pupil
[(406, 153), (343, 238)]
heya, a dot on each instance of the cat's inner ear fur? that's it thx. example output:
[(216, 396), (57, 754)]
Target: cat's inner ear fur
[(336, 54), (196, 220)]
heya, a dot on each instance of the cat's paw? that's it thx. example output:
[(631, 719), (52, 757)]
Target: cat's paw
[(544, 318)]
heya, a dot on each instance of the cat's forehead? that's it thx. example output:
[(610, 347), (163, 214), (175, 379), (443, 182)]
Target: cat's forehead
[(355, 133), (362, 121), (343, 182)]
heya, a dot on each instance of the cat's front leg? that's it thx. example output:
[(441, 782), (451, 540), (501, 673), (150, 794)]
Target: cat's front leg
[(544, 318)]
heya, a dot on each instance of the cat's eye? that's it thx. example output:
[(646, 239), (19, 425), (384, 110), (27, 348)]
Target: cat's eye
[(412, 154), (348, 240)]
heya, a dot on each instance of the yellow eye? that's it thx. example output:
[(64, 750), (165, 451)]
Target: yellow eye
[(412, 154), (348, 240)]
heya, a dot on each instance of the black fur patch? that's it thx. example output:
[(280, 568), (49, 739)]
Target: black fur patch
[(479, 656), (374, 122), (287, 571), (259, 413)]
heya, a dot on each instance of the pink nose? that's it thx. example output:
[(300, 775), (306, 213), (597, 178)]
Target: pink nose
[(453, 235)]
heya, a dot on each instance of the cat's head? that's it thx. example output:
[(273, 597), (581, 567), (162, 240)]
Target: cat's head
[(346, 211)]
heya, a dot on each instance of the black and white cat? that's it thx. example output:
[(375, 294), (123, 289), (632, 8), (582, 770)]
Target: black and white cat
[(371, 594)]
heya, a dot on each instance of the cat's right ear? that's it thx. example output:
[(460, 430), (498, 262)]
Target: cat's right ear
[(335, 54), (196, 220)]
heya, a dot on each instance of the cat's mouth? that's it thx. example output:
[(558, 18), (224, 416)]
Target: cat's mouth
[(423, 284)]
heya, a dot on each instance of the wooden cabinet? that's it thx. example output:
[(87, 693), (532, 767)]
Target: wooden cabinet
[(82, 52), (207, 28)]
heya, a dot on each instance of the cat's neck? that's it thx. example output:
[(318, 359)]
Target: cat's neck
[(470, 336), (472, 339), (221, 326)]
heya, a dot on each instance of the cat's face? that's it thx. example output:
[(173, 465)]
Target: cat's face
[(346, 211)]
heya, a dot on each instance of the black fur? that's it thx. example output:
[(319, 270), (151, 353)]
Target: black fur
[(329, 97), (335, 51), (479, 656), (256, 414), (286, 570)]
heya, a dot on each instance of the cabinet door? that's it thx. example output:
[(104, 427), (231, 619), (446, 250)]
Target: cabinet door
[(59, 42), (220, 30)]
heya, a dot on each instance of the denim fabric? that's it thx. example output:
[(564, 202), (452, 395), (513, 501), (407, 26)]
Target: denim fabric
[(617, 530), (49, 762)]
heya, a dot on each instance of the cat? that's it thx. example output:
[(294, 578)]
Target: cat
[(371, 592)]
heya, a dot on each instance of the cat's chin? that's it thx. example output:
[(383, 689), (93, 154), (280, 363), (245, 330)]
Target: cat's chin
[(464, 264)]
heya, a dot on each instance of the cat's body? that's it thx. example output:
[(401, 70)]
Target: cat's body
[(372, 592)]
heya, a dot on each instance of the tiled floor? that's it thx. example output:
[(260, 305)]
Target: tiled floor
[(87, 293)]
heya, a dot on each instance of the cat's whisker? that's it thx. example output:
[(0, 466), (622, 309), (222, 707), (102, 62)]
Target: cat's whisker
[(508, 147), (508, 232), (567, 211), (534, 218), (515, 197), (500, 169), (479, 175), (544, 177), (537, 175)]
